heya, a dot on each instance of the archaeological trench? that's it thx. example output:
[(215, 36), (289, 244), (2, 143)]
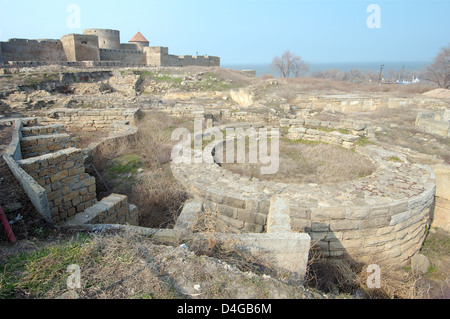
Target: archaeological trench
[(380, 218)]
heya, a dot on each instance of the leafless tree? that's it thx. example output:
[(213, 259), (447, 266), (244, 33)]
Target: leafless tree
[(290, 64), (355, 75), (439, 71)]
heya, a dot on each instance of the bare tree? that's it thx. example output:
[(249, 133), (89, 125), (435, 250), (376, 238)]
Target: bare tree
[(289, 64), (439, 71)]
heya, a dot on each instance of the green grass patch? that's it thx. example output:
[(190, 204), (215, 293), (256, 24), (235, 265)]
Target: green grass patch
[(363, 141), (128, 163), (39, 272), (395, 159)]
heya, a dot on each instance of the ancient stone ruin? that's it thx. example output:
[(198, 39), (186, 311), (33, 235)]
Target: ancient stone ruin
[(380, 218), (52, 171)]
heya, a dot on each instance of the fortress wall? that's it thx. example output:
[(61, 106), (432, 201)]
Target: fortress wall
[(156, 56), (128, 46), (33, 50), (124, 56), (188, 60), (81, 47)]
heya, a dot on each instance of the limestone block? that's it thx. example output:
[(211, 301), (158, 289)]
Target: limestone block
[(442, 214), (59, 176), (285, 251), (279, 220), (442, 173), (420, 264), (189, 215), (241, 97)]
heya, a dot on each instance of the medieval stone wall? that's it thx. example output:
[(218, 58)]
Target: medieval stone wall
[(124, 56), (32, 50), (94, 45)]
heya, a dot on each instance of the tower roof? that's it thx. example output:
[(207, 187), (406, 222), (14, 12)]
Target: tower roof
[(138, 38)]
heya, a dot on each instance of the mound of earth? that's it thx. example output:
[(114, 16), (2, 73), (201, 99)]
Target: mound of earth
[(438, 93)]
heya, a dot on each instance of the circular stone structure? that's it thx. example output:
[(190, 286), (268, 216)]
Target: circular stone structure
[(380, 218), (107, 39)]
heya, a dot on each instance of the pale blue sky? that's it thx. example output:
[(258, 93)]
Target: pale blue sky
[(249, 31)]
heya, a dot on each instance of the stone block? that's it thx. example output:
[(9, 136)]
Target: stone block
[(69, 197), (420, 264), (285, 251), (442, 173), (227, 211), (340, 225), (59, 176), (398, 218), (191, 210), (278, 219), (234, 201), (251, 217)]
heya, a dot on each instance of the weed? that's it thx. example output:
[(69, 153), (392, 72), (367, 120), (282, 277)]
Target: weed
[(128, 163), (363, 141), (395, 159)]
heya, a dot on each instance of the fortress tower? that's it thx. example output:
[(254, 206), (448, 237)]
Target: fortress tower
[(107, 39), (140, 41)]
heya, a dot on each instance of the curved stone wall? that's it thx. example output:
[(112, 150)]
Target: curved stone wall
[(381, 217), (107, 39)]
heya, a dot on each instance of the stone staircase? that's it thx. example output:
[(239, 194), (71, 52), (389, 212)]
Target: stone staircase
[(48, 156)]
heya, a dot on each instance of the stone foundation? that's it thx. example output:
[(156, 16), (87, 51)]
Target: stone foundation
[(90, 120), (54, 178), (382, 217), (434, 122)]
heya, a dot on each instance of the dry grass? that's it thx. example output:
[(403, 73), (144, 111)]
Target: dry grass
[(112, 267), (303, 162), (154, 190), (314, 84), (346, 276), (210, 245), (83, 139), (398, 128)]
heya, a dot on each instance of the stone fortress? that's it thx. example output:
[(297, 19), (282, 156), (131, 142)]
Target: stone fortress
[(95, 47)]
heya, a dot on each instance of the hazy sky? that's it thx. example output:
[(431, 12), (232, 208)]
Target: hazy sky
[(249, 31)]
